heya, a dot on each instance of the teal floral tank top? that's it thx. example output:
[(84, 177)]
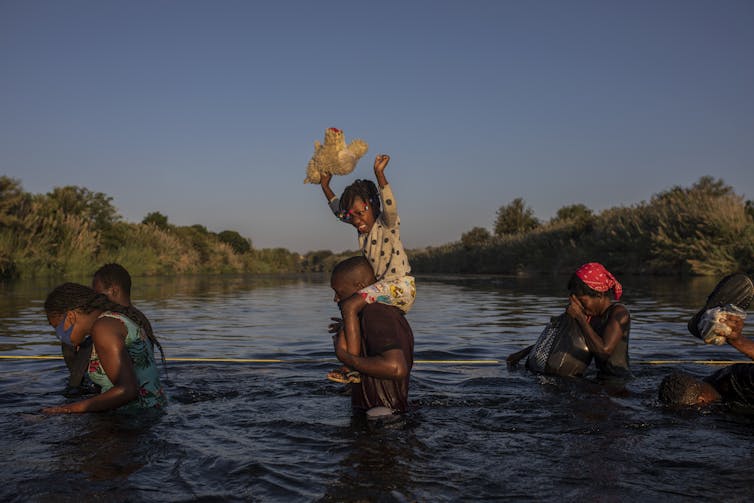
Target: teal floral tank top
[(150, 394)]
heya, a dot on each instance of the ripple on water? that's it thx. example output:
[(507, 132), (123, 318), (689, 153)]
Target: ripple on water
[(282, 432)]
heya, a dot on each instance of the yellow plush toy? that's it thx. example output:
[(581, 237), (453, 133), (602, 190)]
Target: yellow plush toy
[(334, 156)]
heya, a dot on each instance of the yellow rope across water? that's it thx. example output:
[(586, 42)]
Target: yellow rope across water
[(698, 362), (261, 360), (427, 362)]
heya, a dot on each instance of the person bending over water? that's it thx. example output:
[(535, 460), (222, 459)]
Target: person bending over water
[(387, 345), (121, 362), (114, 281), (734, 384), (380, 242), (604, 323), (600, 332)]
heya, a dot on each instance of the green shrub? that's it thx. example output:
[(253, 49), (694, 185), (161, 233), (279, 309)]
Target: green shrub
[(703, 230)]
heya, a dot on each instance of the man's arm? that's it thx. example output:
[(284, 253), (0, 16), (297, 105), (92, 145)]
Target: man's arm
[(736, 338), (390, 364)]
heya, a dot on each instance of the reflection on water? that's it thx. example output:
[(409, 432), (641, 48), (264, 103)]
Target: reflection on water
[(281, 432)]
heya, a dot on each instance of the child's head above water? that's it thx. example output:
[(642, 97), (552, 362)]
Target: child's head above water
[(680, 388), (360, 205), (114, 281)]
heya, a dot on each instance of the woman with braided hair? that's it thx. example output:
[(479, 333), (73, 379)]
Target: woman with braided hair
[(122, 361), (114, 281), (378, 228)]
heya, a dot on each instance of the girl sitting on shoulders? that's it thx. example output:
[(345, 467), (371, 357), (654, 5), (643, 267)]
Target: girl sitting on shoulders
[(378, 228)]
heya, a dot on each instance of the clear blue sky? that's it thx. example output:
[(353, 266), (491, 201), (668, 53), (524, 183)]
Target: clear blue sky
[(207, 111)]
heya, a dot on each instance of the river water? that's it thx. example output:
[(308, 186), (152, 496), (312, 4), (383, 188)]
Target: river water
[(252, 431)]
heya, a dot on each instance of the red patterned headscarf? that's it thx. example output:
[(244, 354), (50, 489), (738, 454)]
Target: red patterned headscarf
[(595, 276)]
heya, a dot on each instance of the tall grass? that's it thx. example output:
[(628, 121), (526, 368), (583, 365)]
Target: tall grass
[(39, 236), (702, 230), (39, 245)]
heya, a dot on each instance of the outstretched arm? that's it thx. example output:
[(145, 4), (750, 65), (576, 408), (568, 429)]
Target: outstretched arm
[(332, 199), (389, 365), (516, 357), (389, 208), (324, 182), (380, 163)]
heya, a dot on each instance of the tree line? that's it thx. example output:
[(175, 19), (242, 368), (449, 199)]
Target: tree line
[(72, 231), (705, 229)]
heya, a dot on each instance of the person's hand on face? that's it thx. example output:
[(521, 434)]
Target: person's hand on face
[(575, 309)]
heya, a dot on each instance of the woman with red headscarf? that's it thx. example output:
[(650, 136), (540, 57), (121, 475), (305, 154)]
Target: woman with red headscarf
[(604, 323)]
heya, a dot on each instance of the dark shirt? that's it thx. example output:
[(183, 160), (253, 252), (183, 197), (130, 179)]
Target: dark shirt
[(735, 384), (383, 328), (618, 364)]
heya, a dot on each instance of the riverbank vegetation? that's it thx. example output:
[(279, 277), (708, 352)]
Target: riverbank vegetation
[(71, 231), (705, 229)]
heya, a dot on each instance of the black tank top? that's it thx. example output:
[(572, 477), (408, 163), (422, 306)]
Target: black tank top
[(617, 365)]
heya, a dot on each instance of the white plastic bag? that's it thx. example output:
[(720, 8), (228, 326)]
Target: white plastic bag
[(712, 327)]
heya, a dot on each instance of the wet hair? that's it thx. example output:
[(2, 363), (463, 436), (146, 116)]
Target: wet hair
[(577, 287), (680, 388), (366, 190), (114, 274), (73, 296), (357, 267)]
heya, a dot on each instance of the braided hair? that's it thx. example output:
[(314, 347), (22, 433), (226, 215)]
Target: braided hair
[(366, 190), (73, 296)]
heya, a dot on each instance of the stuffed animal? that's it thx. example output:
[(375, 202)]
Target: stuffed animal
[(334, 156)]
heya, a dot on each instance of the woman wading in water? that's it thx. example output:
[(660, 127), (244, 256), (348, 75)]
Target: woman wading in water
[(604, 323), (122, 359)]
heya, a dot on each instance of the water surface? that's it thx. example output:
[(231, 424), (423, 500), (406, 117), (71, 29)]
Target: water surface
[(281, 432)]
